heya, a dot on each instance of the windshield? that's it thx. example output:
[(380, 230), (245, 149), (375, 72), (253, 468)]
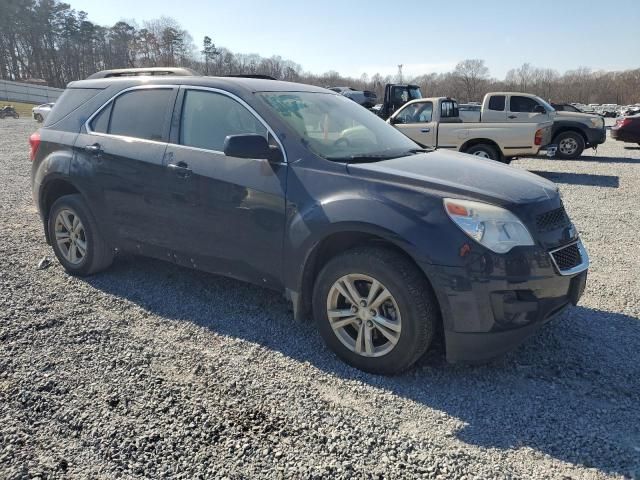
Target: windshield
[(546, 105), (336, 128)]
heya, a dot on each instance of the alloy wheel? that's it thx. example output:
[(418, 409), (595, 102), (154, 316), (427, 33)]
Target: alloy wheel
[(568, 146), (481, 153), (364, 315), (70, 236)]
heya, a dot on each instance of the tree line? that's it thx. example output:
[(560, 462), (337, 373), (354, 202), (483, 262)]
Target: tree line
[(48, 40)]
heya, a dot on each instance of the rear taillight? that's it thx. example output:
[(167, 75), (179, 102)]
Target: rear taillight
[(538, 137), (34, 143), (621, 122)]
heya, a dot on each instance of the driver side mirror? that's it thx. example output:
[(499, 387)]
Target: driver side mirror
[(251, 145), (539, 109), (396, 120)]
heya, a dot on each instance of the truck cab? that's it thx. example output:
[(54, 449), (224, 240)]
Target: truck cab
[(572, 132), (515, 107)]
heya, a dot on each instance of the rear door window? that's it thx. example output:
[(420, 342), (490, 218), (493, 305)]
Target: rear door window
[(141, 113), (209, 117), (522, 104), (496, 103), (449, 109)]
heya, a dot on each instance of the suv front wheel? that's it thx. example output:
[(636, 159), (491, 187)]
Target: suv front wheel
[(75, 237), (375, 309)]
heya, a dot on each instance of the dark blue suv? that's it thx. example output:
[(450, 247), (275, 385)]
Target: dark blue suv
[(386, 244)]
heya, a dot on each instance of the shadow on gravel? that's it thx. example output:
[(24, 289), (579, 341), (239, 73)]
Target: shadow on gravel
[(567, 392), (587, 179), (597, 159)]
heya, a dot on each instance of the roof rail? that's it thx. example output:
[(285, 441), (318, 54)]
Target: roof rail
[(134, 72), (251, 75)]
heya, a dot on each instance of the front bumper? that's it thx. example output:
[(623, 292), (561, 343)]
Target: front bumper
[(595, 136), (491, 311)]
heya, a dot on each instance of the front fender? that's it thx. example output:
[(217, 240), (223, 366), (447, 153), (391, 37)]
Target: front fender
[(416, 224)]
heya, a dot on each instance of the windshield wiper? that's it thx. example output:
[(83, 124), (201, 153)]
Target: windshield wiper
[(365, 158), (377, 157)]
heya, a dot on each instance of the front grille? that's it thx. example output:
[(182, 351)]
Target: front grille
[(552, 220), (568, 257)]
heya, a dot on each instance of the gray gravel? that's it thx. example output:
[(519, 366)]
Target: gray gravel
[(154, 371)]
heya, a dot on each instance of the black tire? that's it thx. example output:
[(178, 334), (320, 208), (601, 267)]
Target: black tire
[(99, 255), (572, 138), (38, 118), (412, 294), (485, 151), (16, 115)]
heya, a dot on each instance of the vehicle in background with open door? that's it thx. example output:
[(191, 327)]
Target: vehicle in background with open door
[(395, 96)]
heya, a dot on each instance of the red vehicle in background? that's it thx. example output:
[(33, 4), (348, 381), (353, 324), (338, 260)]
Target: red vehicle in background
[(627, 129)]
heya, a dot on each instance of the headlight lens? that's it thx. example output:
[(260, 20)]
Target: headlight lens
[(597, 122), (496, 228)]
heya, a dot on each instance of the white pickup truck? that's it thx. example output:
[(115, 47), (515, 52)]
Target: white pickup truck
[(435, 122), (571, 133)]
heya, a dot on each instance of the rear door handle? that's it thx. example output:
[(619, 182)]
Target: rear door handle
[(512, 116), (94, 148), (181, 169), (425, 130)]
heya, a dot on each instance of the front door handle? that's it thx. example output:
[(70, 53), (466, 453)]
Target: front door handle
[(425, 130), (181, 169), (512, 116), (95, 148)]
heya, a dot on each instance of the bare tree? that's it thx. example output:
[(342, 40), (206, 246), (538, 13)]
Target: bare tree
[(471, 74), (47, 39)]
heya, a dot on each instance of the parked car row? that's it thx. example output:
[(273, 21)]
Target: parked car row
[(365, 98), (385, 242)]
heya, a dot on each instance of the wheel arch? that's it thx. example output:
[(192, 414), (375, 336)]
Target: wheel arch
[(335, 243), (570, 128), (51, 191), (482, 141)]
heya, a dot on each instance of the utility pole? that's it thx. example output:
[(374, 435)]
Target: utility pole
[(400, 73)]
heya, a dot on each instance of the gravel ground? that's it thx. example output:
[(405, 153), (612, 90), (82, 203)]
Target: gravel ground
[(154, 371)]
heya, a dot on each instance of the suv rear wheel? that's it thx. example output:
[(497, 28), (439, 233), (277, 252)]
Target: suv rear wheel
[(75, 237), (375, 309)]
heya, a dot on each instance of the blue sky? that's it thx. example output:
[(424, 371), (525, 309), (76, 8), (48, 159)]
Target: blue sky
[(372, 36)]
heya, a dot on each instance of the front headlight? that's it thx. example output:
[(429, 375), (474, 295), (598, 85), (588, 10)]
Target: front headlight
[(597, 122), (496, 228)]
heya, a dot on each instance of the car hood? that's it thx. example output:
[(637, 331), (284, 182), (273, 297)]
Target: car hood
[(576, 115), (452, 173)]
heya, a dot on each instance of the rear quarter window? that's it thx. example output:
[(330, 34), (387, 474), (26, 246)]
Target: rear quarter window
[(70, 100), (496, 103)]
